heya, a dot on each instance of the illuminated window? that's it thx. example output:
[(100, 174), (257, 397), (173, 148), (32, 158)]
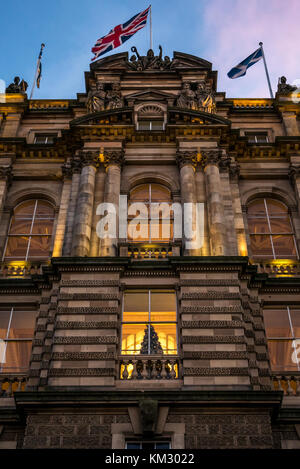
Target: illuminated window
[(30, 231), (157, 201), (44, 139), (283, 334), (148, 445), (257, 137), (270, 229), (16, 334), (149, 325)]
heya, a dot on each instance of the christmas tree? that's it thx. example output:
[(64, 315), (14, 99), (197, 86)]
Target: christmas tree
[(155, 347)]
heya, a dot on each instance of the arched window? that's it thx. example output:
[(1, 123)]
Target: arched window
[(30, 231), (270, 229), (150, 218)]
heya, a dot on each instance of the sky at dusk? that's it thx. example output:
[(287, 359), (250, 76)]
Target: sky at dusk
[(223, 32)]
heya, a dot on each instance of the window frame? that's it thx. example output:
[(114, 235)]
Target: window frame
[(150, 121), (271, 233), (256, 133), (291, 339), (46, 135), (148, 203), (30, 235), (8, 339), (149, 322)]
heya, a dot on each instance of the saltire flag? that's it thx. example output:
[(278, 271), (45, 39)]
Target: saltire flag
[(119, 34), (240, 69), (39, 67)]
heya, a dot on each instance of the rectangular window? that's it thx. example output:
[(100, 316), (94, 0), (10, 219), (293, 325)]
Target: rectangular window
[(44, 139), (148, 445), (283, 334), (149, 323), (16, 335), (257, 137), (150, 125)]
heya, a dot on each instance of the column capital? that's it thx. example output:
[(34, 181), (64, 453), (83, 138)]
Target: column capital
[(6, 173), (294, 172), (186, 157), (89, 158), (211, 157), (234, 171), (67, 170), (114, 157)]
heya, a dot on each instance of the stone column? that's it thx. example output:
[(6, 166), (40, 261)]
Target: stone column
[(63, 211), (84, 206), (76, 170), (113, 161), (5, 179), (98, 199), (217, 227), (187, 161), (239, 225)]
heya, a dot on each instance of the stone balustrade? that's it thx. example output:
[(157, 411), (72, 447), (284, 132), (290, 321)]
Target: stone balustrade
[(149, 368), (279, 267), (10, 383), (289, 384), (149, 251), (20, 268)]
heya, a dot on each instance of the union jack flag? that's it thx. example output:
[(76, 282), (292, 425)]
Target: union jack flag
[(119, 34)]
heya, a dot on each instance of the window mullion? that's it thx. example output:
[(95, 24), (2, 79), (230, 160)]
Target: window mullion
[(269, 225), (31, 227), (149, 320)]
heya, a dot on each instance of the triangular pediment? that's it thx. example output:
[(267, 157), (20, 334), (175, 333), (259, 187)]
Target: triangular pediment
[(150, 95), (112, 62), (182, 60)]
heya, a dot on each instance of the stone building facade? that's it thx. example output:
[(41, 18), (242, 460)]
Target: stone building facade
[(114, 342)]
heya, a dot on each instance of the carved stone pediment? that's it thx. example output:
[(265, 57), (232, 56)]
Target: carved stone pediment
[(150, 95), (182, 60), (112, 62)]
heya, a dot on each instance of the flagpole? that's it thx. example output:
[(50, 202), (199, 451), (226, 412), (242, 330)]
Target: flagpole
[(266, 69), (37, 70), (150, 26)]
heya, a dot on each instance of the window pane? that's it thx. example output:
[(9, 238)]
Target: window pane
[(25, 210), (22, 325), (163, 445), (284, 246), (39, 246), (133, 445), (138, 230), (281, 225), (20, 226), (144, 125), (136, 307), (4, 320), (140, 193), (295, 317), (132, 338), (276, 208), (157, 125), (277, 323), (282, 355), (160, 193), (163, 306), (166, 334), (17, 356), (16, 247), (42, 227), (257, 208), (44, 210), (261, 246), (258, 225), (161, 230)]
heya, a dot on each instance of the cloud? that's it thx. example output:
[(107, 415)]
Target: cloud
[(233, 29)]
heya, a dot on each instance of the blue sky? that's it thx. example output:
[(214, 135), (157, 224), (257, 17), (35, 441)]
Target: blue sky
[(221, 31)]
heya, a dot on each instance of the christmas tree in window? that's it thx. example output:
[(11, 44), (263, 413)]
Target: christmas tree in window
[(155, 346)]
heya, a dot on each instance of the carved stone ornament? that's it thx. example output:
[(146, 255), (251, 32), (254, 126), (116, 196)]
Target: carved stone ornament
[(114, 97), (96, 98), (113, 157), (202, 99), (210, 157), (6, 173), (283, 87), (186, 157), (294, 171), (17, 86), (89, 158), (67, 170), (149, 61), (149, 410)]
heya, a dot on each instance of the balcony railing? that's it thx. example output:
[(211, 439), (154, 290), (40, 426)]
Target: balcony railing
[(149, 251), (278, 267), (9, 383), (149, 368), (289, 384), (21, 269)]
